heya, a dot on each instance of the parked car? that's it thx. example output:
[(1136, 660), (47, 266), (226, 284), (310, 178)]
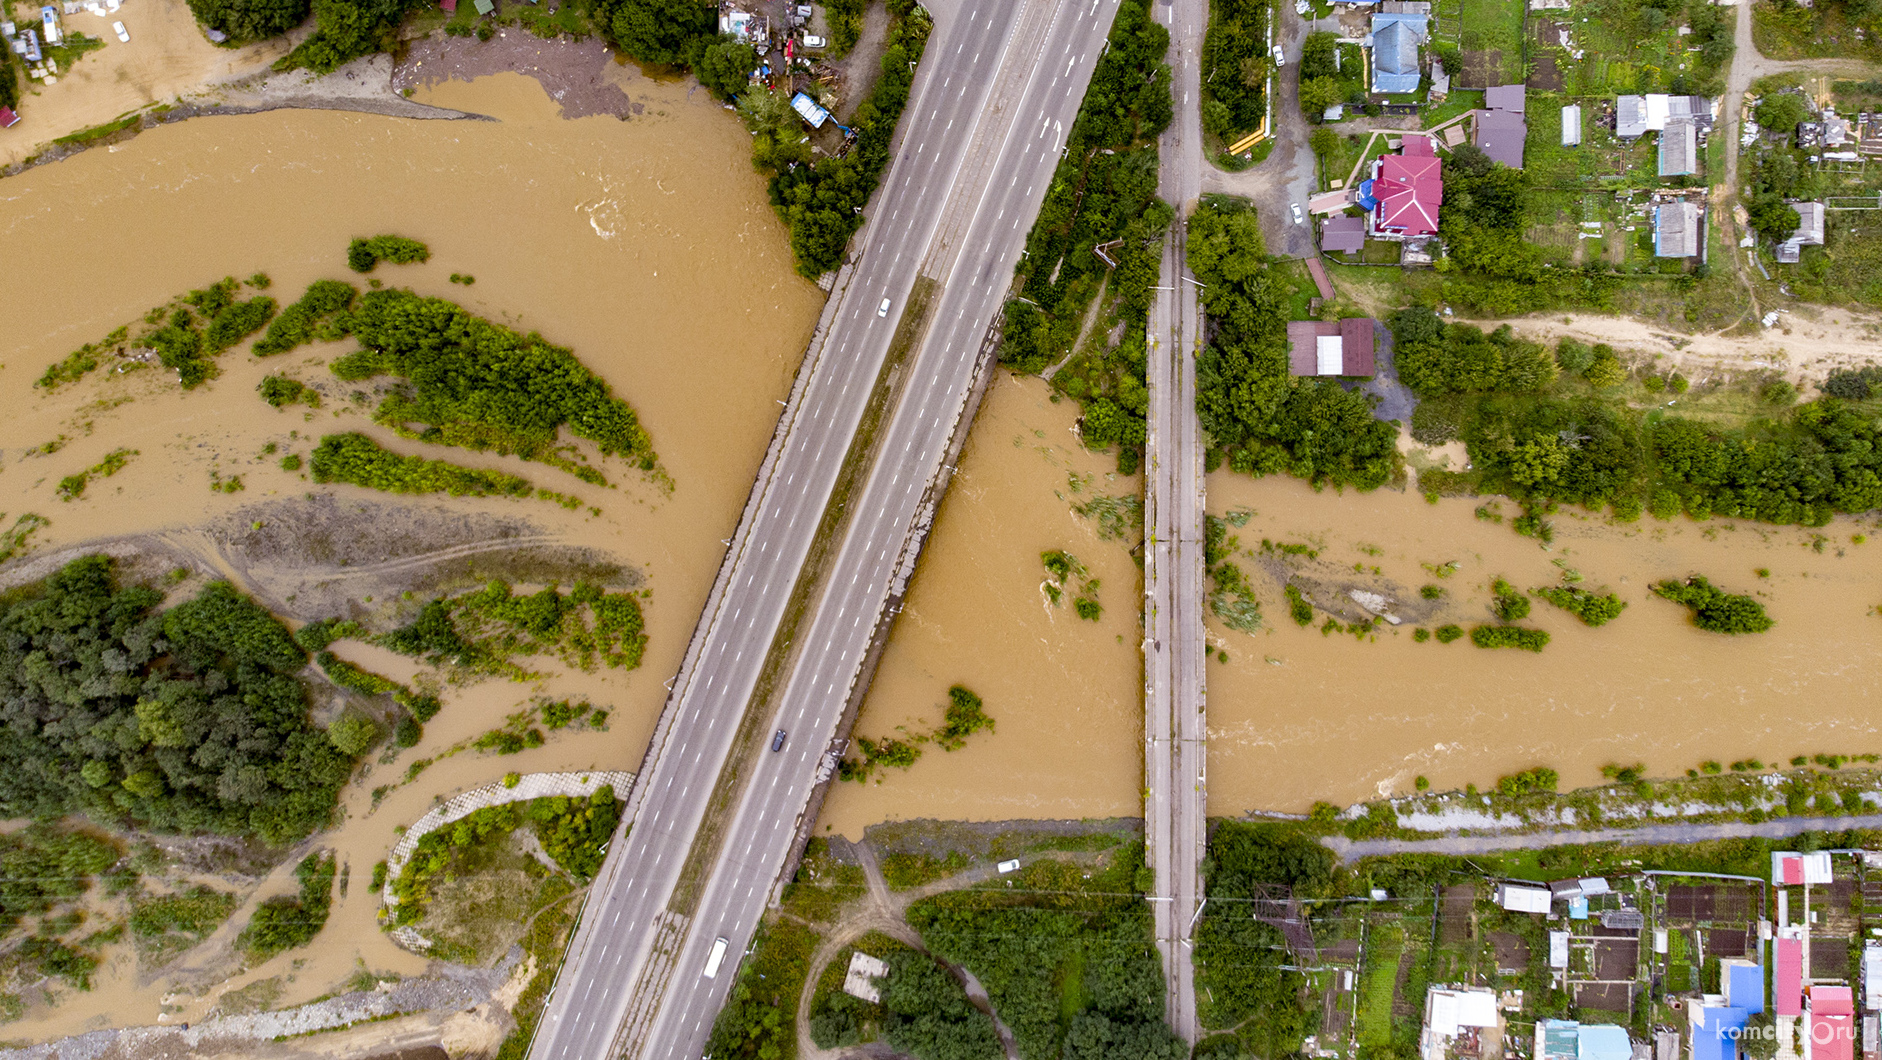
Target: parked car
[(123, 34), (1280, 57), (1299, 218), (811, 40)]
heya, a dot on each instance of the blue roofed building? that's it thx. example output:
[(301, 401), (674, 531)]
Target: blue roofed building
[(1603, 1041), (1743, 984), (1716, 1030), (1396, 37)]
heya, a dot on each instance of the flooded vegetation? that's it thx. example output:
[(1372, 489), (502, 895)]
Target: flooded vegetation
[(587, 231), (1647, 686)]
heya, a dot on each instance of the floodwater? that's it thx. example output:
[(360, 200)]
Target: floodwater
[(1297, 716), (1066, 694), (646, 246)]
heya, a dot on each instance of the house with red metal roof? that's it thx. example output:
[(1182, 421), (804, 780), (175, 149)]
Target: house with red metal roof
[(1830, 1024), (1405, 192), (1326, 347)]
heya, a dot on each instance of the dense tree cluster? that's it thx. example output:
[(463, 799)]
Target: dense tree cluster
[(1537, 430), (1235, 67), (355, 458), (1265, 419), (822, 202), (1068, 963), (483, 386), (189, 719), (9, 79), (250, 20), (1713, 608), (924, 1013), (201, 325), (347, 29), (1239, 960), (661, 32), (1104, 193), (1324, 82)]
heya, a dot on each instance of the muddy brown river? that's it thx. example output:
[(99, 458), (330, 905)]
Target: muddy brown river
[(646, 246)]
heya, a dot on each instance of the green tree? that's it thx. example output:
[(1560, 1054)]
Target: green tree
[(1324, 142), (1319, 93), (666, 32), (1781, 112), (250, 20), (352, 733), (725, 67)]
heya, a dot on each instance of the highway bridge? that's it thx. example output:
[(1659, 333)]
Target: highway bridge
[(825, 540)]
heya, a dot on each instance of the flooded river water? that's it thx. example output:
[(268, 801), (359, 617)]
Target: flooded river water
[(1297, 716), (645, 245), (1066, 694)]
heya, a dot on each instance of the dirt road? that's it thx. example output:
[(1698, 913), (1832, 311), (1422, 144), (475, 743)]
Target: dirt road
[(1349, 850), (1805, 346)]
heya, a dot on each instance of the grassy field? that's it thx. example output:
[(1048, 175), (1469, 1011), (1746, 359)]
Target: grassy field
[(1622, 51), (1820, 32)]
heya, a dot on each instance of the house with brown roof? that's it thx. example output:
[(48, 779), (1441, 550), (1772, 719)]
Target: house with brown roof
[(1331, 347), (1343, 233)]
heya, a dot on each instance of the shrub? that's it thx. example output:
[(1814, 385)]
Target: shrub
[(1448, 633), (1509, 637), (1298, 608), (352, 733), (1592, 609), (1714, 609), (286, 923), (363, 255), (1509, 604), (279, 390), (295, 326), (1538, 781), (358, 459)]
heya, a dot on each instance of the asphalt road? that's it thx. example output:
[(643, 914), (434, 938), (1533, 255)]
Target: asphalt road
[(1174, 660), (998, 90)]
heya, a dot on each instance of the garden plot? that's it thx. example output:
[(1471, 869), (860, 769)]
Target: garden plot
[(1490, 32)]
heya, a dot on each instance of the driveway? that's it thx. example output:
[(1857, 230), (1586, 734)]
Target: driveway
[(1286, 176), (1396, 401)]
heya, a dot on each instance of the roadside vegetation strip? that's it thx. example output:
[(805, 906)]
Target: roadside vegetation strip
[(529, 787), (750, 738), (1101, 215)]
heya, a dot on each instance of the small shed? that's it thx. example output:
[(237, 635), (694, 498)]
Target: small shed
[(1521, 898), (1571, 125), (8, 119), (1343, 234), (1679, 149), (860, 980), (1676, 231), (1500, 134), (810, 110), (1504, 97), (1331, 348)]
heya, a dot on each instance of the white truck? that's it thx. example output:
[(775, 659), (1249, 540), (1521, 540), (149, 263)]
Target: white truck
[(716, 957)]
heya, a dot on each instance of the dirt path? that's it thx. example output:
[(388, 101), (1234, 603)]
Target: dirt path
[(1350, 850), (1286, 176), (1805, 347)]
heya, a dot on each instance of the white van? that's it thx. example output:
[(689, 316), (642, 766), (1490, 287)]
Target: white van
[(716, 957)]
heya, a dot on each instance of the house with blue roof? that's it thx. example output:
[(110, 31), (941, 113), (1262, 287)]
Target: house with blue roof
[(1396, 37), (1716, 1031)]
